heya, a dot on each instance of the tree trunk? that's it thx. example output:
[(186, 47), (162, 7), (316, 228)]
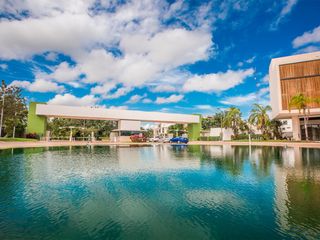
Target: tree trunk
[(14, 126)]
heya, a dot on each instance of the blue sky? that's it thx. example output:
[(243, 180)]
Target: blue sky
[(171, 56)]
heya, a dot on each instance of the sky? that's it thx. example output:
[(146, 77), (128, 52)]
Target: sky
[(169, 56)]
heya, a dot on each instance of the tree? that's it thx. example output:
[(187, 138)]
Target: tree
[(274, 127), (13, 110), (301, 102), (260, 118), (177, 129), (60, 127), (215, 121), (232, 120)]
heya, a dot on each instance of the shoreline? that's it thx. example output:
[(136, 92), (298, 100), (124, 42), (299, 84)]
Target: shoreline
[(8, 145)]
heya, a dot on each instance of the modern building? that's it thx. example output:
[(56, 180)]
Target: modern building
[(292, 75), (129, 121)]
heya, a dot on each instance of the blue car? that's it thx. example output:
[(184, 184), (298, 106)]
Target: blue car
[(179, 140)]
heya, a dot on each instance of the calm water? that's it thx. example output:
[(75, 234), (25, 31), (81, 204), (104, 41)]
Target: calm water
[(160, 192)]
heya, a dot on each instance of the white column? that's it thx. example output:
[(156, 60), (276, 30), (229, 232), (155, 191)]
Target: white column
[(296, 128), (93, 137)]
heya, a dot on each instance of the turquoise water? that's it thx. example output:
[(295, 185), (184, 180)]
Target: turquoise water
[(160, 192)]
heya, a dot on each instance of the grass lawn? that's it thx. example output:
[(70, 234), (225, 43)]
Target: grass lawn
[(3, 139)]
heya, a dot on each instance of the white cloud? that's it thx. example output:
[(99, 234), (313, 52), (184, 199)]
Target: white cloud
[(176, 47), (256, 97), (171, 99), (128, 46), (44, 7), (39, 85), (287, 8), (51, 56), (71, 100), (250, 60), (102, 89), (20, 39), (63, 73), (3, 66), (239, 100), (21, 84), (309, 37), (263, 81), (204, 107), (217, 82), (163, 88), (136, 98), (118, 93), (308, 49), (146, 100), (119, 107)]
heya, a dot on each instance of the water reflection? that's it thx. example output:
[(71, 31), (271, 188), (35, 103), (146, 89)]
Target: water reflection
[(165, 192)]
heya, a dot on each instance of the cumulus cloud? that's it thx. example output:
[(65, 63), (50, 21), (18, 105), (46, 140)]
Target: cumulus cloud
[(71, 100), (163, 88), (217, 82), (39, 85), (171, 99), (118, 93), (309, 37), (63, 73), (20, 39), (136, 98), (126, 46)]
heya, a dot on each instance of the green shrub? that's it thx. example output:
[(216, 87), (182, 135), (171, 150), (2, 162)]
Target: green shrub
[(244, 136), (209, 138)]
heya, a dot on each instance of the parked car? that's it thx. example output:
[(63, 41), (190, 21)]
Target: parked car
[(154, 139), (179, 140), (166, 140), (138, 138)]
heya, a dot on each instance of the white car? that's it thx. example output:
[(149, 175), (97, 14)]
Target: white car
[(166, 140), (154, 139)]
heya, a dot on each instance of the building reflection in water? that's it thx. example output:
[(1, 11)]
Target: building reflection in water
[(295, 173)]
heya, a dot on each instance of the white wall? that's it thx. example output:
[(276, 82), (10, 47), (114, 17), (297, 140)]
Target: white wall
[(129, 125), (226, 133), (215, 132)]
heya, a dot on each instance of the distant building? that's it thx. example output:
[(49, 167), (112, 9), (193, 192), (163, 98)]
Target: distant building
[(286, 128), (290, 76)]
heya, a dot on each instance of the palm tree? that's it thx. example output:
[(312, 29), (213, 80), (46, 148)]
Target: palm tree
[(260, 118), (233, 120), (300, 102)]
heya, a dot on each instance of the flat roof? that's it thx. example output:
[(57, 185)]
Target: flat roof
[(112, 114), (296, 58)]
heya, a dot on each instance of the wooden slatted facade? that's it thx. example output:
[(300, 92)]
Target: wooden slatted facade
[(303, 77)]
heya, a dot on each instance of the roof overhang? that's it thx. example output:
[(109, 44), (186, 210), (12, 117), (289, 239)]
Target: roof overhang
[(113, 114)]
